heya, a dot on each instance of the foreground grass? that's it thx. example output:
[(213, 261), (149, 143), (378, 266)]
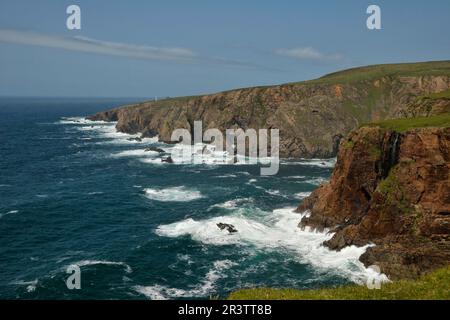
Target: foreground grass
[(435, 285), (401, 125)]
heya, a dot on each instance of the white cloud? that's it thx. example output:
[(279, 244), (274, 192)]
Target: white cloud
[(307, 53), (88, 45)]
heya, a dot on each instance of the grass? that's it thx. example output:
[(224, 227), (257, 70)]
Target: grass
[(439, 95), (435, 285), (402, 125), (383, 70), (394, 192)]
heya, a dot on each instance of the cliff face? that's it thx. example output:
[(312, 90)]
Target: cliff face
[(312, 116), (391, 189)]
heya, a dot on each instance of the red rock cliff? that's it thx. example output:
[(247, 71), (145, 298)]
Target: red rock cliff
[(393, 190)]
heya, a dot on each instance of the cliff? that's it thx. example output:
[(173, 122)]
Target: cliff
[(312, 116), (390, 187)]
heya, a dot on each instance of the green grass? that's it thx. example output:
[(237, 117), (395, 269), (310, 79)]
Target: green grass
[(402, 125), (394, 193), (439, 95), (383, 70), (435, 285)]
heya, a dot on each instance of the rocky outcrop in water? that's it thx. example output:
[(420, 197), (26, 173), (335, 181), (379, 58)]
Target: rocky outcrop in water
[(391, 189), (229, 227), (312, 116), (154, 149)]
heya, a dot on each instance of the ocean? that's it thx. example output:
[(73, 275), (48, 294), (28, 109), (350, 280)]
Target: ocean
[(77, 192)]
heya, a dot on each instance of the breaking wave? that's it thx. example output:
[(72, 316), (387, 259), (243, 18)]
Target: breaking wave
[(205, 287), (176, 194), (135, 153), (322, 163), (104, 262), (81, 121), (302, 195), (277, 230), (9, 212)]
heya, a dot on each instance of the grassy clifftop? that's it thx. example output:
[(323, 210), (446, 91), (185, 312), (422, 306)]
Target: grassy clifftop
[(402, 125), (373, 72), (431, 286)]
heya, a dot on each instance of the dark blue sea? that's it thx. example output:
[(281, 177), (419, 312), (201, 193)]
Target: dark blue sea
[(74, 192)]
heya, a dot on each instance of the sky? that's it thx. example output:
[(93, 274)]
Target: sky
[(147, 48)]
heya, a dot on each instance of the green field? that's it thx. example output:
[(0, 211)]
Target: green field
[(435, 285)]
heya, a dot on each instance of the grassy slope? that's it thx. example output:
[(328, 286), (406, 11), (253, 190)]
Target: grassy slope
[(361, 74), (383, 70), (401, 125), (435, 285)]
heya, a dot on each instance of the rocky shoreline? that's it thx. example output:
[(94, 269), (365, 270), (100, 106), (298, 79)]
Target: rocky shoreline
[(391, 189)]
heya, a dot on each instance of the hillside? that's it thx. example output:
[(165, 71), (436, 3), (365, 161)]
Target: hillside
[(313, 116)]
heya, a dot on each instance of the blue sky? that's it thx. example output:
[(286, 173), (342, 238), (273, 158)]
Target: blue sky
[(170, 48)]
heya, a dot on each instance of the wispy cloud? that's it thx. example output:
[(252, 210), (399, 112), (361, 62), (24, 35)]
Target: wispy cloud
[(88, 45), (308, 53)]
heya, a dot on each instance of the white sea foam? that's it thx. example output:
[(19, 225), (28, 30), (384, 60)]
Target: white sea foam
[(135, 153), (295, 177), (112, 136), (226, 176), (175, 194), (233, 204), (30, 285), (81, 121), (274, 192), (322, 163), (315, 181), (199, 154), (93, 193), (302, 195), (205, 287), (104, 262), (277, 230), (9, 212), (205, 154), (185, 258), (106, 130)]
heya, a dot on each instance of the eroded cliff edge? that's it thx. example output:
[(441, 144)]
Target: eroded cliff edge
[(312, 116), (390, 187)]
